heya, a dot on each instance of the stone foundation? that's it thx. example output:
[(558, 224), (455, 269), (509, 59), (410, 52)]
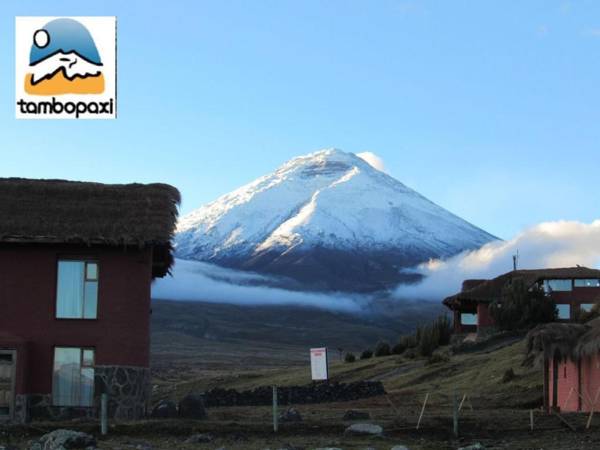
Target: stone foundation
[(128, 390)]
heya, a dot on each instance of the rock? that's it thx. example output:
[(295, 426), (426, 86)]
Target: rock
[(165, 409), (364, 429), (353, 414), (192, 407), (476, 446), (199, 438), (399, 447), (290, 415), (65, 440)]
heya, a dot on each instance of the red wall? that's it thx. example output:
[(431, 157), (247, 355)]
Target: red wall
[(483, 316), (568, 378), (590, 383), (120, 334)]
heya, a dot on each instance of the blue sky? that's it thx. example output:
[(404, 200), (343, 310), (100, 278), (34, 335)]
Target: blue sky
[(491, 109)]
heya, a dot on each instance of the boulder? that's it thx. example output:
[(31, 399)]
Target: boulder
[(290, 415), (199, 438), (192, 407), (353, 414), (399, 447), (476, 446), (165, 409), (362, 429), (65, 440)]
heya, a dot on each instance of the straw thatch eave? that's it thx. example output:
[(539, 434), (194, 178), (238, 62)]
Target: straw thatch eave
[(72, 212)]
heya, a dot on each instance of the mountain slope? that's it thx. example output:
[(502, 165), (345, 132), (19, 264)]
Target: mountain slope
[(328, 220)]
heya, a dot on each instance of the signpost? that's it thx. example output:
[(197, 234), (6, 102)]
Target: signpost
[(318, 364)]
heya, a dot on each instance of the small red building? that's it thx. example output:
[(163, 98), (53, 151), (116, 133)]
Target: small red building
[(76, 264), (570, 354), (572, 289)]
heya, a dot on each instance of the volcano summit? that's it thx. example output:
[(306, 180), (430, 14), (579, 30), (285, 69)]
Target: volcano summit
[(328, 221)]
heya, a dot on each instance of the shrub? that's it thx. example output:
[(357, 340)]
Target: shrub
[(522, 308), (382, 349), (508, 376), (444, 329), (437, 358), (429, 340), (408, 341), (398, 349), (350, 358), (410, 353), (366, 354)]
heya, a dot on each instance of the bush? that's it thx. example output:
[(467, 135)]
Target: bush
[(398, 349), (508, 376), (444, 329), (382, 349), (350, 358), (429, 340), (366, 354), (410, 353), (408, 341), (438, 358), (522, 308)]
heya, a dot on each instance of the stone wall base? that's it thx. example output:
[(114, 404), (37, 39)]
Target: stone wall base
[(128, 390)]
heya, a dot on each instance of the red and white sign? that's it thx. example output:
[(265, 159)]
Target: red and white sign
[(318, 364)]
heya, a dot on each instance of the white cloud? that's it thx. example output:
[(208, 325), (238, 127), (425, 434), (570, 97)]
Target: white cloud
[(198, 281), (549, 244), (373, 160)]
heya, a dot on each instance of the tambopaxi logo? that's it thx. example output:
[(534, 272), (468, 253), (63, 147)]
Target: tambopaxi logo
[(65, 67)]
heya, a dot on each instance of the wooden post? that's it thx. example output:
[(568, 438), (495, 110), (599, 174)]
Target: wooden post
[(589, 422), (275, 418), (104, 414), (462, 402), (568, 398), (455, 414), (422, 410), (531, 419)]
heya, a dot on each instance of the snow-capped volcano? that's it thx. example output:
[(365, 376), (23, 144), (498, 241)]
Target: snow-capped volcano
[(329, 220)]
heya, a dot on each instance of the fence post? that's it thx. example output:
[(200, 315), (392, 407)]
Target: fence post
[(422, 410), (104, 414), (455, 414), (275, 418)]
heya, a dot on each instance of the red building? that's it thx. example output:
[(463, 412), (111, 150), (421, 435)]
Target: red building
[(572, 288), (76, 264), (570, 354)]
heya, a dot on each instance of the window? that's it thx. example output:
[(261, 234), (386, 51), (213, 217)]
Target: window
[(468, 319), (587, 283), (564, 311), (587, 307), (558, 285), (73, 381), (77, 290)]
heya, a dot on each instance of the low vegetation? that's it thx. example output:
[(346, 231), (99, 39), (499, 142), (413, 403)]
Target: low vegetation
[(522, 308)]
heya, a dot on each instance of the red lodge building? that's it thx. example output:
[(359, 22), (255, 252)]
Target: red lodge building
[(572, 288), (570, 354), (76, 264)]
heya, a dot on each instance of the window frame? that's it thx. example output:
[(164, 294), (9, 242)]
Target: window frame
[(567, 305), (85, 259), (583, 280), (82, 366)]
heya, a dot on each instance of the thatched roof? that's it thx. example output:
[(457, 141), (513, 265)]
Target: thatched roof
[(564, 341), (490, 290), (71, 212)]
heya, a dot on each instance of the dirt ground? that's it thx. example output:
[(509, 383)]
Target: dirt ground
[(322, 426)]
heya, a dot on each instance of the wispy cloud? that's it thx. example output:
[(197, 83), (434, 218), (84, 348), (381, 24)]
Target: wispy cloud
[(198, 281), (373, 160), (549, 244)]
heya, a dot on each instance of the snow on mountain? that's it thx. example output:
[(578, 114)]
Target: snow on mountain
[(328, 219)]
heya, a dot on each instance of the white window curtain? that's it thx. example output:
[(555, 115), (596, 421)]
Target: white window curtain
[(69, 290), (73, 385)]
